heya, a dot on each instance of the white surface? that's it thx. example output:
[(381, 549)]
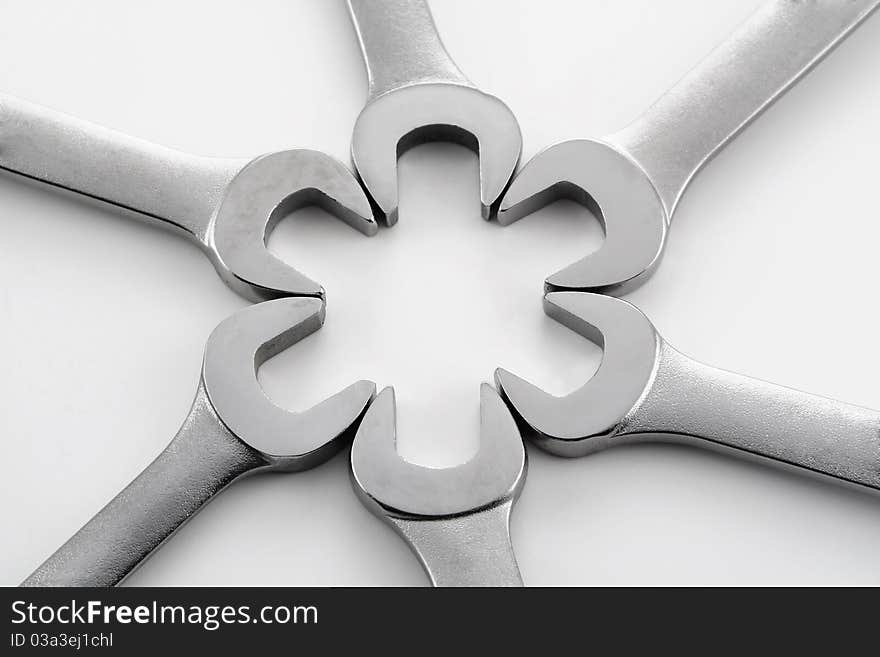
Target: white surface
[(771, 271)]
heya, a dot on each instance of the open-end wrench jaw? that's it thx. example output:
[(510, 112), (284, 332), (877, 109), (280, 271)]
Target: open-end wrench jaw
[(266, 190), (647, 391), (287, 440), (405, 117), (418, 94), (589, 418), (232, 430), (455, 520), (616, 191), (227, 206), (390, 486), (634, 178)]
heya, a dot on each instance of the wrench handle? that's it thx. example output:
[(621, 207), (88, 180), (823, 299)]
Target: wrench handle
[(400, 45), (467, 550), (174, 188), (201, 460), (707, 406), (767, 55)]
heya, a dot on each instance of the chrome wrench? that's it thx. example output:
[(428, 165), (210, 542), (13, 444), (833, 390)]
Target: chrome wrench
[(633, 179), (456, 520), (232, 430), (647, 391), (227, 206), (418, 94)]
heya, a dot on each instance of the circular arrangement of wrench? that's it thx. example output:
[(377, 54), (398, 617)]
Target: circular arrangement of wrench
[(456, 520)]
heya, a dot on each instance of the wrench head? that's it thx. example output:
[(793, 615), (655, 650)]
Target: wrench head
[(620, 195), (287, 440), (405, 117), (265, 191), (392, 487), (586, 420)]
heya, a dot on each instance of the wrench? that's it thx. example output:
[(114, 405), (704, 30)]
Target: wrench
[(417, 94), (647, 391), (228, 206), (231, 431), (456, 520), (633, 179)]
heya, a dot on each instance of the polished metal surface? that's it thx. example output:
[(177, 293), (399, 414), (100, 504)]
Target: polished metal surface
[(633, 179), (456, 520), (228, 206), (645, 391), (232, 430), (418, 94)]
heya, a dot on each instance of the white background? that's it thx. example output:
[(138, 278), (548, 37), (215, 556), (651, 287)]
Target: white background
[(771, 270)]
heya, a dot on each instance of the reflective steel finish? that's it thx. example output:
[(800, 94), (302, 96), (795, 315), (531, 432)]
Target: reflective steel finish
[(228, 206), (456, 520), (418, 94), (647, 391), (633, 179), (232, 430)]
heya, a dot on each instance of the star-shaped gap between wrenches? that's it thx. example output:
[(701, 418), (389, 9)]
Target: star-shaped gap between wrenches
[(455, 329)]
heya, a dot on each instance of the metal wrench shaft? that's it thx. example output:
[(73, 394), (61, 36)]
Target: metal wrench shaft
[(469, 550), (704, 405), (176, 188), (768, 54), (201, 461), (401, 45)]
